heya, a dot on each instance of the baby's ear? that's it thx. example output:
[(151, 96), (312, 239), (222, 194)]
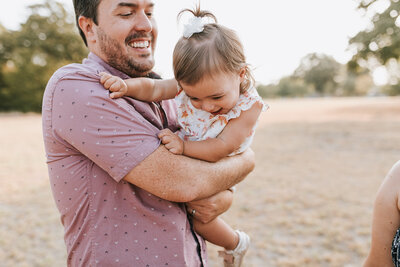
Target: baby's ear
[(242, 73)]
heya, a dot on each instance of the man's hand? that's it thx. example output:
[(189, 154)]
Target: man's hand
[(113, 83), (208, 209), (171, 141)]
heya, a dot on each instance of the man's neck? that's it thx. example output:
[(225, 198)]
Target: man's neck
[(113, 70)]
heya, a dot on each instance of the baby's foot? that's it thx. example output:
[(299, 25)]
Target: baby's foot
[(234, 258)]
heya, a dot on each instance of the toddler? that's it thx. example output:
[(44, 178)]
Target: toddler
[(218, 108)]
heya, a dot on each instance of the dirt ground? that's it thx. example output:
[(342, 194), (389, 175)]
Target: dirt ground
[(307, 203)]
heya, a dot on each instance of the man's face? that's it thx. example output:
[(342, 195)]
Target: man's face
[(126, 35)]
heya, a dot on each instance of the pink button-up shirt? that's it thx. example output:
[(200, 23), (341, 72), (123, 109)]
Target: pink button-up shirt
[(92, 142)]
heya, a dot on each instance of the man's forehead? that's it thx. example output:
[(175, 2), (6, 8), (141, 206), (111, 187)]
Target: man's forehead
[(134, 3)]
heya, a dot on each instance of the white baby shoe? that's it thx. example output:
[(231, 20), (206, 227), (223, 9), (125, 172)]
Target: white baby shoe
[(234, 258)]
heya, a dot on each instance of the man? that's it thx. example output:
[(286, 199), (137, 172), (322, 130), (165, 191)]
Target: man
[(120, 193)]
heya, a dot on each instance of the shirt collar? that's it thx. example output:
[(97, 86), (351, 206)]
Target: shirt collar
[(107, 67)]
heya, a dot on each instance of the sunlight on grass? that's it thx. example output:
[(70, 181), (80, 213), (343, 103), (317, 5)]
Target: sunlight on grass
[(308, 202)]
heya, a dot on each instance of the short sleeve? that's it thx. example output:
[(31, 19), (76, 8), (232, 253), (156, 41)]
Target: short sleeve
[(245, 102), (108, 131)]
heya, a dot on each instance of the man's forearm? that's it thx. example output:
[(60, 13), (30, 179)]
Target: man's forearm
[(227, 173), (182, 179)]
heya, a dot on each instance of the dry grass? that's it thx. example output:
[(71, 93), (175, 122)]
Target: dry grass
[(308, 202)]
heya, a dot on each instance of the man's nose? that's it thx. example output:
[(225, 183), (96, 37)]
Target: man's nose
[(143, 23)]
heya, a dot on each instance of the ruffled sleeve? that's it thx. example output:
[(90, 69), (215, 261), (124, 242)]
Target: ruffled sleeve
[(245, 102), (197, 125)]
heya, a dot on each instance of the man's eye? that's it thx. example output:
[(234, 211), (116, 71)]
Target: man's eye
[(217, 97), (126, 14), (149, 14)]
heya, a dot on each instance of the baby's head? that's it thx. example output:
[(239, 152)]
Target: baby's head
[(209, 62)]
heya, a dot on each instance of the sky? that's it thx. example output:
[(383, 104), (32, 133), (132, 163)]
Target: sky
[(275, 34)]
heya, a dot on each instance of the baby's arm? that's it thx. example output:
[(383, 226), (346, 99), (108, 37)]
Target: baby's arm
[(214, 149), (144, 89), (230, 139)]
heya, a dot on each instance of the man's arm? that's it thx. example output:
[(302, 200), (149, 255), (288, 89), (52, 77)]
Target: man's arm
[(182, 179), (209, 208)]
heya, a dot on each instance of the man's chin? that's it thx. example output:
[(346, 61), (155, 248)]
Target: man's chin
[(141, 68)]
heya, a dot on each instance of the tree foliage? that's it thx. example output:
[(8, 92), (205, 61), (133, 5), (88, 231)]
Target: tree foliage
[(379, 44), (380, 41), (319, 71), (320, 75), (289, 86), (30, 55)]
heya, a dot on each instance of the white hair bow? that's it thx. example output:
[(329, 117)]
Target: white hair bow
[(194, 25)]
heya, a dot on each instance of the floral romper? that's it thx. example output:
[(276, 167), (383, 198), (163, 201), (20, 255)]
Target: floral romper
[(198, 125)]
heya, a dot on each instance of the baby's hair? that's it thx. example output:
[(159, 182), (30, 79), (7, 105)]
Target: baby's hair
[(197, 12), (215, 49)]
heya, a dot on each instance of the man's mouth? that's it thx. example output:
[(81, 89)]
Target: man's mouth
[(139, 44)]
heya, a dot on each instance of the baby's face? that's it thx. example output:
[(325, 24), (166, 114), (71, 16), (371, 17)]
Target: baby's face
[(217, 94)]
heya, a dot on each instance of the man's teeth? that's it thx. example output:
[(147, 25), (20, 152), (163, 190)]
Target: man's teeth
[(143, 44)]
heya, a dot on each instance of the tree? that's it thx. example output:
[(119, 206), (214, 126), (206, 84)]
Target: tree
[(288, 86), (382, 41), (379, 44), (319, 71), (29, 56)]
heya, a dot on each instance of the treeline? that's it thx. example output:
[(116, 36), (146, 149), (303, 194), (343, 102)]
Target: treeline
[(321, 75), (30, 55), (49, 40)]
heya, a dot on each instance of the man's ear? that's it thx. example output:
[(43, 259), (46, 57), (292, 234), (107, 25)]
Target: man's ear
[(86, 25)]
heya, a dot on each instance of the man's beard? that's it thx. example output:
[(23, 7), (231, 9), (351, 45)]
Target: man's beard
[(121, 61)]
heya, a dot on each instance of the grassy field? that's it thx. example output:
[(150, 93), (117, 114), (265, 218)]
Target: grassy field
[(308, 202)]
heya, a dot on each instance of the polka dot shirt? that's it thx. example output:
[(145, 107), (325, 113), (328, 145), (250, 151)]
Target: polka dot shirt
[(91, 143)]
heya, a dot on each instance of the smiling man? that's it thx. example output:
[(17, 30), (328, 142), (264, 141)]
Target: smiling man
[(122, 33), (121, 195)]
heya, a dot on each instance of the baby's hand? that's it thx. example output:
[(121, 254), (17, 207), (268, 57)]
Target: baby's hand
[(113, 83), (171, 141)]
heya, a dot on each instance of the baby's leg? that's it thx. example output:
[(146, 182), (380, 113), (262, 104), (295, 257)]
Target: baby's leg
[(386, 220), (217, 232)]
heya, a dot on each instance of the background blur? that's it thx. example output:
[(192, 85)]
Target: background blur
[(307, 48), (329, 71)]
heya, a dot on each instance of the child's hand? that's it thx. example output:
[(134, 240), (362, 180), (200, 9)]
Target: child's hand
[(171, 141), (113, 83)]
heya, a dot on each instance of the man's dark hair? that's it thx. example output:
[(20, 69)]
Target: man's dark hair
[(88, 9)]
